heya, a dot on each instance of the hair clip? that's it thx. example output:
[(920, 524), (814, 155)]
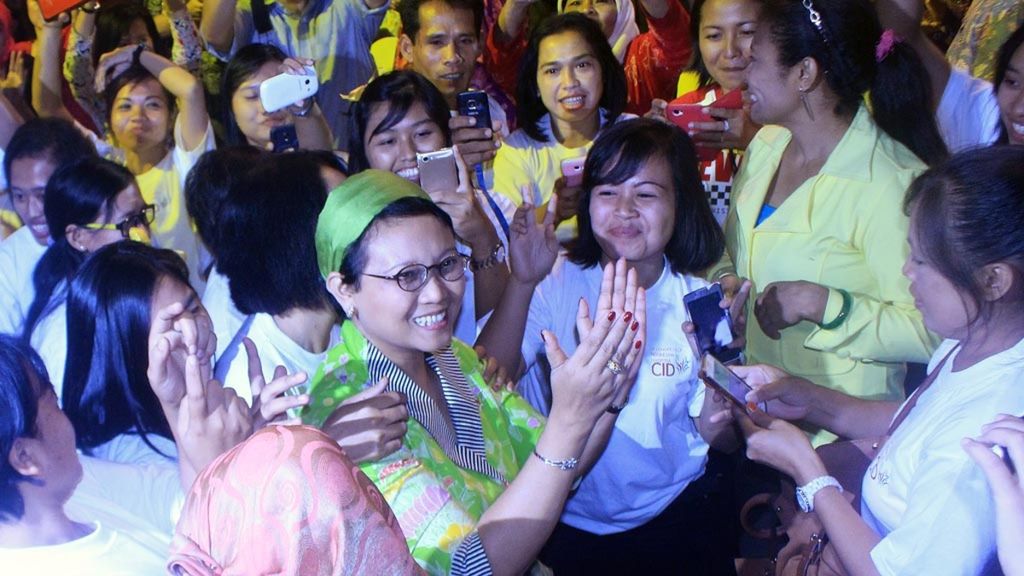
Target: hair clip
[(886, 42), (815, 17)]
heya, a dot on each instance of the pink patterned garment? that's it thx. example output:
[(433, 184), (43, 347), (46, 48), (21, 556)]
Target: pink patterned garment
[(287, 501)]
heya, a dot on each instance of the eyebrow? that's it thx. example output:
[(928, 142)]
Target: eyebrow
[(405, 264), (573, 59)]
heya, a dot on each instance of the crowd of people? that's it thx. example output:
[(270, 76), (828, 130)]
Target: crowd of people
[(402, 286)]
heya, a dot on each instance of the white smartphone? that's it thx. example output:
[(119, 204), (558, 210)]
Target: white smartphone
[(286, 89)]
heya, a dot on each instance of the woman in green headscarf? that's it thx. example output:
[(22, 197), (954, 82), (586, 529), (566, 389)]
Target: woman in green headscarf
[(480, 479)]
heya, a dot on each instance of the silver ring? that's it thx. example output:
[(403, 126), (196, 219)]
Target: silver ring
[(725, 128), (614, 366)]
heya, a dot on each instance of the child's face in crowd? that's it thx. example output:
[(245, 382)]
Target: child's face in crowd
[(634, 220), (395, 149), (726, 31), (28, 186), (141, 117), (253, 121), (945, 309), (445, 48), (569, 77), (396, 321), (604, 12), (1011, 98)]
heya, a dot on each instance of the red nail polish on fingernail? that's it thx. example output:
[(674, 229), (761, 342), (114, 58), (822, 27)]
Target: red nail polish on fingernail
[(638, 344), (635, 326), (611, 315), (627, 317)]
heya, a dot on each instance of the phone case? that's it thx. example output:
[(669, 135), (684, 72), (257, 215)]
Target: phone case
[(474, 103), (572, 169), (716, 375), (53, 8), (287, 89), (708, 317), (438, 171)]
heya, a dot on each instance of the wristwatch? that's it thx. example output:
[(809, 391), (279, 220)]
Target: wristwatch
[(497, 256), (805, 494)]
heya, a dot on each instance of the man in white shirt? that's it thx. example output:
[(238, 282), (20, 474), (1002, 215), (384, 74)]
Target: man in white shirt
[(35, 151)]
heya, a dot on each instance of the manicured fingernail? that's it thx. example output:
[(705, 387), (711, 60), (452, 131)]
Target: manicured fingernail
[(542, 337), (627, 317), (635, 326), (638, 344), (611, 315)]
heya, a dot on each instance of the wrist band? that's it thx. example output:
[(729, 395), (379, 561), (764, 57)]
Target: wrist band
[(137, 54), (843, 312), (90, 7), (567, 464), (310, 102), (722, 274)]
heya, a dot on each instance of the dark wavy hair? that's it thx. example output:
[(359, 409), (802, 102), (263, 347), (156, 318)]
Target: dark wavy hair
[(207, 186), (531, 107), (354, 263), (246, 62), (19, 403), (898, 86), (969, 212), (267, 249), (106, 391), (619, 152), (78, 193), (400, 90)]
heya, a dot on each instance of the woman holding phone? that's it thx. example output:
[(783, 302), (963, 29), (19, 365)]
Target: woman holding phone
[(401, 115), (247, 121), (570, 88), (966, 269)]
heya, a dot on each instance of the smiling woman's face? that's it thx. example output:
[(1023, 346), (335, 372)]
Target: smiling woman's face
[(1011, 98)]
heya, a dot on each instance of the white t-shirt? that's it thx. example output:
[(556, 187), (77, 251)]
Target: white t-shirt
[(275, 348), (523, 161), (19, 254), (923, 494), (132, 449), (163, 186), (143, 500), (227, 319), (968, 113), (655, 450), (50, 338), (104, 552)]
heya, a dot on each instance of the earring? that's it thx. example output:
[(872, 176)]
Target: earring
[(350, 312), (807, 105)]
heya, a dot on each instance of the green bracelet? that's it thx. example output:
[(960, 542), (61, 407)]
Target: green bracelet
[(843, 312)]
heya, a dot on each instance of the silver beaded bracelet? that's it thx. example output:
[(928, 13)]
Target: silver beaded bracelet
[(567, 464)]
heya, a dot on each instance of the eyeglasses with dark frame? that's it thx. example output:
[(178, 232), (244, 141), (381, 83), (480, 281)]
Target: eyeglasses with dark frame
[(414, 276), (144, 217)]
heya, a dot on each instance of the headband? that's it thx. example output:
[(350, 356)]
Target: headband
[(351, 207)]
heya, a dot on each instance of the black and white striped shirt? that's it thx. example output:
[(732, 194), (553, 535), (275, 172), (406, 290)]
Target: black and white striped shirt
[(464, 445)]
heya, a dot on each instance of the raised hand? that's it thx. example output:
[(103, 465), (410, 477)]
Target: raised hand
[(494, 374), (469, 219), (272, 403), (174, 334), (369, 425), (533, 247), (477, 144), (604, 365)]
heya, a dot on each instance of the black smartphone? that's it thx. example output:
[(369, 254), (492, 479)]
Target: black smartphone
[(284, 138), (712, 323), (474, 103)]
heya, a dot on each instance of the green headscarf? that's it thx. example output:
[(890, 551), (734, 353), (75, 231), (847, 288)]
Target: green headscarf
[(351, 207)]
